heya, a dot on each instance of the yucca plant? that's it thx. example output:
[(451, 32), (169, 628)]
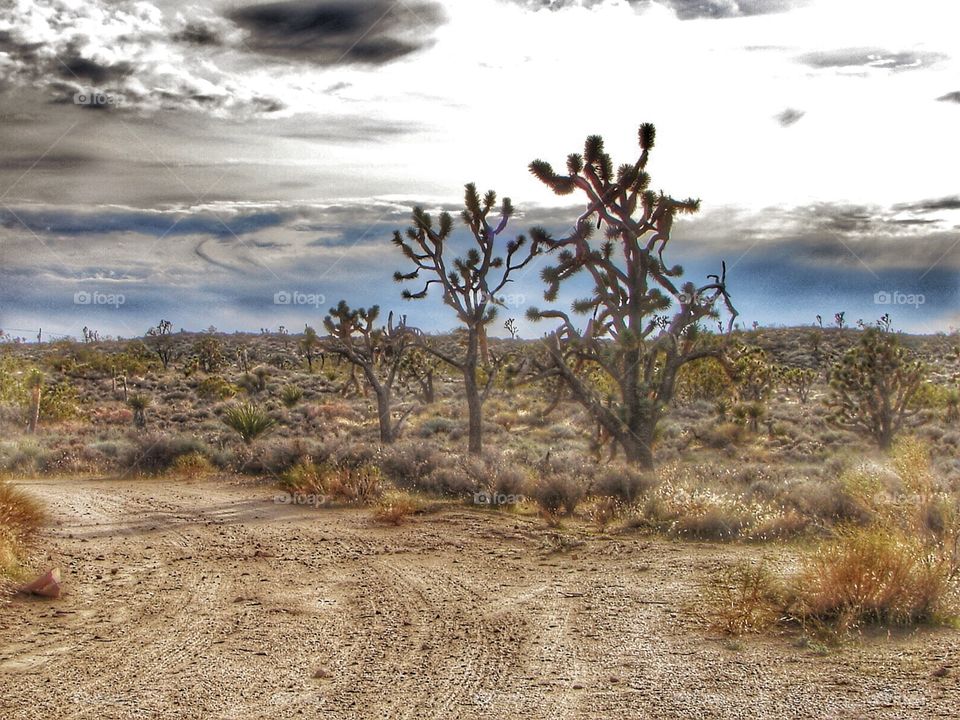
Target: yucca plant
[(291, 395), (249, 421), (139, 403)]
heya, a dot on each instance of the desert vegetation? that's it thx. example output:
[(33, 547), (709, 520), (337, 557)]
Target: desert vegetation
[(660, 415)]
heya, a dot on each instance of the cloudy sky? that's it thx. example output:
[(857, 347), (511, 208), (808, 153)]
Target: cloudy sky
[(196, 161)]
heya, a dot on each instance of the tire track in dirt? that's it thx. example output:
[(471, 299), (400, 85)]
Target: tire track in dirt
[(206, 600)]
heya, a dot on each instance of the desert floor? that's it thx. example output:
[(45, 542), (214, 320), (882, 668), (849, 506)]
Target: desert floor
[(207, 599)]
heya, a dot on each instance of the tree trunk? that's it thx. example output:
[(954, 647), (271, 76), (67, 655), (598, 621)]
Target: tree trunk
[(383, 415), (638, 446), (474, 403), (34, 410), (428, 391)]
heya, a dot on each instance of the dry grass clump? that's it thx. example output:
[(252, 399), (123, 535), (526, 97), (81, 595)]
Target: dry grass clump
[(622, 483), (153, 453), (396, 507), (746, 597), (192, 466), (703, 514), (874, 575), (353, 484), (20, 516), (901, 567)]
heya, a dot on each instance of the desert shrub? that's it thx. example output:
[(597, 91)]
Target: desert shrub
[(20, 516), (721, 436), (276, 457), (192, 465), (254, 381), (156, 453), (745, 597), (395, 507), (558, 493), (829, 501), (605, 510), (408, 465), (249, 421), (780, 526), (717, 522), (21, 457), (623, 483), (874, 575), (215, 387), (449, 480), (327, 412), (304, 477), (361, 485), (59, 402), (436, 425)]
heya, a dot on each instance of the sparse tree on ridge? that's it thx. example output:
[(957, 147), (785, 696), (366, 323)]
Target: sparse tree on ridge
[(471, 284), (377, 351), (643, 324)]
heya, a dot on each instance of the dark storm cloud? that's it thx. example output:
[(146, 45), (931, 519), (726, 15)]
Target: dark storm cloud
[(51, 161), (198, 34), (73, 65), (155, 224), (953, 97), (335, 32), (789, 116), (951, 202), (684, 9), (869, 58)]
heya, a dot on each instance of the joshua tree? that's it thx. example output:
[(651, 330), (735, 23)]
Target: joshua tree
[(839, 319), (800, 381), (310, 347), (628, 334), (471, 284), (377, 352), (510, 325), (873, 386), (162, 342), (756, 376), (421, 367)]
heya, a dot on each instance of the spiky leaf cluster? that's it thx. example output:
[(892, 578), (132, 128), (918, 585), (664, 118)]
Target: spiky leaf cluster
[(872, 386), (473, 282)]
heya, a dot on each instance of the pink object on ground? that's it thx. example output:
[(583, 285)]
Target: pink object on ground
[(47, 585)]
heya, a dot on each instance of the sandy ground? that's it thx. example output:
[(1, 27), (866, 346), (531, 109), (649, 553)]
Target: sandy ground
[(209, 600)]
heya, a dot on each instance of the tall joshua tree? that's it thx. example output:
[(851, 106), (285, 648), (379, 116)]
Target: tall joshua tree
[(377, 351), (644, 325), (470, 284), (873, 387)]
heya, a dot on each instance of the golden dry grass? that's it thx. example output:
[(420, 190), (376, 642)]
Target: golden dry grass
[(20, 516)]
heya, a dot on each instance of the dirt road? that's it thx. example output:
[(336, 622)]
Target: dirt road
[(209, 600)]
